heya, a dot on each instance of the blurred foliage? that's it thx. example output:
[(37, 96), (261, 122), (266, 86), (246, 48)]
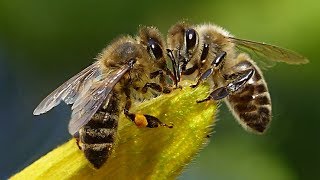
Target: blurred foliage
[(43, 43)]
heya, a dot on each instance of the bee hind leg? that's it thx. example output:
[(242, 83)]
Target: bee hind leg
[(145, 120), (142, 120), (233, 86)]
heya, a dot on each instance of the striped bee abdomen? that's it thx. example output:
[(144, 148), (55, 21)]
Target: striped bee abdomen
[(251, 105), (97, 137)]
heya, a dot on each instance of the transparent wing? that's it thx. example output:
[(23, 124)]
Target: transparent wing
[(89, 102), (268, 54), (70, 90)]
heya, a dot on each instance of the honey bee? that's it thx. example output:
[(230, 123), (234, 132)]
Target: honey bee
[(209, 52), (99, 92)]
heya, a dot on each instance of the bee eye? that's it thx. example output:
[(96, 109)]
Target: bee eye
[(155, 48), (191, 39)]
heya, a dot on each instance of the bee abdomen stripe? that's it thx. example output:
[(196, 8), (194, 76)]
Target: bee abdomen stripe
[(97, 147), (247, 117), (98, 136), (109, 121), (262, 100), (261, 88), (240, 98), (258, 120), (97, 154), (260, 127), (245, 107), (248, 89), (262, 114), (256, 76)]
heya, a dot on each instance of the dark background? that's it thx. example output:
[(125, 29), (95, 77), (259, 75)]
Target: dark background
[(43, 43)]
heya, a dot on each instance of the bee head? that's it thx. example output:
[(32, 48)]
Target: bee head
[(151, 40), (183, 38), (121, 52), (183, 42)]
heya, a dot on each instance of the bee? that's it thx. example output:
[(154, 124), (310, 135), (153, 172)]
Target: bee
[(208, 52), (101, 91)]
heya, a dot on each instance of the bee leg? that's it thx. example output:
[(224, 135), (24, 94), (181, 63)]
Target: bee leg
[(203, 57), (153, 86), (230, 76), (155, 74), (215, 64), (203, 76), (163, 82), (77, 137), (190, 70), (232, 87), (141, 120), (145, 120), (162, 75)]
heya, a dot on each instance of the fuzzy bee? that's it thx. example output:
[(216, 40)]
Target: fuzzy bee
[(209, 52), (101, 91)]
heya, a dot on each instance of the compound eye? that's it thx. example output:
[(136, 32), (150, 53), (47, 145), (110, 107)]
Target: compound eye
[(155, 49), (191, 39)]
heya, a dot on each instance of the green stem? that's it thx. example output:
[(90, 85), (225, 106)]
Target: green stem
[(140, 153)]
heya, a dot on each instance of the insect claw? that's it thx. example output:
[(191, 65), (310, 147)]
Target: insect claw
[(204, 100), (167, 125)]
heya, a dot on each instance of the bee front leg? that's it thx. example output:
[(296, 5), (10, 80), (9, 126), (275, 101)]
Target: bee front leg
[(162, 77), (153, 86), (215, 64), (191, 70), (234, 86), (142, 120)]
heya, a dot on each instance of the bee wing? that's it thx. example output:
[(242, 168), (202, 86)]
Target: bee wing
[(268, 54), (69, 90), (89, 101)]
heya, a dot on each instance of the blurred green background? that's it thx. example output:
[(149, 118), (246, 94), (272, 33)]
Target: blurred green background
[(43, 43)]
